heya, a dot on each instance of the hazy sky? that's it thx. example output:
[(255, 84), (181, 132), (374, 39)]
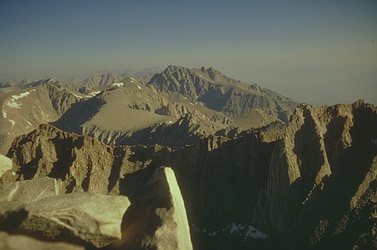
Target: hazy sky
[(320, 52)]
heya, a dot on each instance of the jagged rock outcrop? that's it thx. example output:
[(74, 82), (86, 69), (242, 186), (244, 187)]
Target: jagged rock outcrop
[(157, 217), (81, 162)]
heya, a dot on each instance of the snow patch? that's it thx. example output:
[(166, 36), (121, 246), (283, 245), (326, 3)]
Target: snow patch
[(235, 228), (212, 233), (22, 95), (4, 113), (246, 232), (139, 87), (94, 93), (118, 84), (76, 95), (12, 102), (255, 233), (12, 121)]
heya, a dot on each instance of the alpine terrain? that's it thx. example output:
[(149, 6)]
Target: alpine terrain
[(184, 159)]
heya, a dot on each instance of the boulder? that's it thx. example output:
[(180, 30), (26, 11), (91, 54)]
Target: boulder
[(83, 218)]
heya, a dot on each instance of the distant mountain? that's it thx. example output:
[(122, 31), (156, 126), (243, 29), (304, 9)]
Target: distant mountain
[(95, 82), (131, 112), (221, 93)]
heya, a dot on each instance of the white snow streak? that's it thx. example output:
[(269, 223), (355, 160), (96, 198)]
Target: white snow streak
[(12, 121), (12, 102), (22, 95), (94, 93), (118, 84), (77, 95)]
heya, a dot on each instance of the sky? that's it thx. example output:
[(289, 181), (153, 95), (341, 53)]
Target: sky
[(318, 52)]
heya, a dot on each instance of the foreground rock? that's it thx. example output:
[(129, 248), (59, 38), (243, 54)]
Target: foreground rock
[(16, 195), (85, 218), (157, 218)]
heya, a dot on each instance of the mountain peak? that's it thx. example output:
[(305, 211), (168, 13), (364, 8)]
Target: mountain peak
[(219, 92)]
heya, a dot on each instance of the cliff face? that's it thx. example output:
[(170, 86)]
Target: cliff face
[(322, 175), (313, 184)]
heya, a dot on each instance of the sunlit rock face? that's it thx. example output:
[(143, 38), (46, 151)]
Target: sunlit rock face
[(157, 217)]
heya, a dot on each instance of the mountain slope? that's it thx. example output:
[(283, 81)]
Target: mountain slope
[(24, 110)]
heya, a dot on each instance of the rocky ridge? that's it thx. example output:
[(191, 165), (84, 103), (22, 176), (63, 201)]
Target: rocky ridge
[(311, 183)]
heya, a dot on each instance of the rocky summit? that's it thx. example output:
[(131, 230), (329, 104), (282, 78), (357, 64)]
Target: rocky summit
[(191, 159)]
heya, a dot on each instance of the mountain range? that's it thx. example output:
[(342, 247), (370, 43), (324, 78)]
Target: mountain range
[(198, 160)]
